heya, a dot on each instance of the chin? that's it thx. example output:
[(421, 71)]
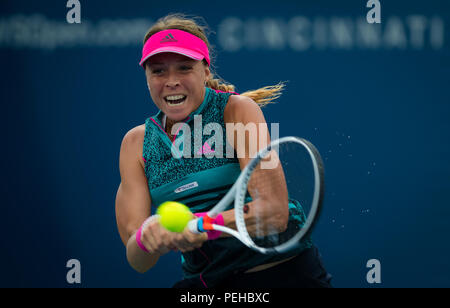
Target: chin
[(177, 116)]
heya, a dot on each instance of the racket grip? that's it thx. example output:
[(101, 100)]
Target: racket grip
[(193, 226)]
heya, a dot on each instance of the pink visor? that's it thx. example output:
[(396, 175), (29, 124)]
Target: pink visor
[(176, 41)]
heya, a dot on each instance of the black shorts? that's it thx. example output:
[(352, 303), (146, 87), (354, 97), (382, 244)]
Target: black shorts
[(304, 271)]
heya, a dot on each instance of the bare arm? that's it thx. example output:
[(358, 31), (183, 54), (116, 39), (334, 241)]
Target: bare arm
[(271, 188), (133, 203), (133, 200)]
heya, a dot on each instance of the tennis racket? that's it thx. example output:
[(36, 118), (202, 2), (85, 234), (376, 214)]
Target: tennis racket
[(277, 198)]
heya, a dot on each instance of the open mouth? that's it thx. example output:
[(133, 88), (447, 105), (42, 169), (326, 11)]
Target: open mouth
[(175, 100)]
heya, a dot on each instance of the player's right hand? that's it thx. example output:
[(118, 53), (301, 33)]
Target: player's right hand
[(156, 238)]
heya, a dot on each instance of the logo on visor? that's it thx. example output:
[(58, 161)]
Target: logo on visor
[(168, 38)]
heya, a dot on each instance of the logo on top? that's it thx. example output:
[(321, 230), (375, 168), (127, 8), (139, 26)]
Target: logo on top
[(168, 38)]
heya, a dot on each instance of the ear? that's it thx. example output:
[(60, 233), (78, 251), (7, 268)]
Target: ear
[(207, 73)]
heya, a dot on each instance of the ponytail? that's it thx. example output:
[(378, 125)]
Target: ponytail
[(262, 96)]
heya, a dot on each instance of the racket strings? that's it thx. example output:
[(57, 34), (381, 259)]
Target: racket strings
[(267, 186), (275, 213)]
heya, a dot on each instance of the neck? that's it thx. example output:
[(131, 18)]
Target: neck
[(169, 125)]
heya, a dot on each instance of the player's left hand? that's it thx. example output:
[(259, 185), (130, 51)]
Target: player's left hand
[(188, 241)]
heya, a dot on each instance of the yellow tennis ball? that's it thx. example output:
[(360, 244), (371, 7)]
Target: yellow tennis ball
[(174, 216)]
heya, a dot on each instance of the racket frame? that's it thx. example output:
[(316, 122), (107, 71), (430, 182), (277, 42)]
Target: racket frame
[(238, 193)]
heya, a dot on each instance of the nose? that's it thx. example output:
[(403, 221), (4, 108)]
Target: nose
[(172, 80)]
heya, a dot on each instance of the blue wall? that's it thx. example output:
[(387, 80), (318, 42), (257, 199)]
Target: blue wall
[(373, 100)]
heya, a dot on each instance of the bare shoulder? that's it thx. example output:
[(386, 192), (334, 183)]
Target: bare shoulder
[(239, 107), (240, 102), (133, 141), (135, 135)]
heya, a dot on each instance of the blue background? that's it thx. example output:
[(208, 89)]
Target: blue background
[(379, 116)]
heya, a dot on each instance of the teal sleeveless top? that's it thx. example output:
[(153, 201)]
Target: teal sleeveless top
[(199, 173)]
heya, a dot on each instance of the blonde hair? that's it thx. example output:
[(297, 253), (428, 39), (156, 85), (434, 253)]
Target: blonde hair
[(197, 26)]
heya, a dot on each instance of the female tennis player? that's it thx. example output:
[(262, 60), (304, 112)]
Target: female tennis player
[(177, 63)]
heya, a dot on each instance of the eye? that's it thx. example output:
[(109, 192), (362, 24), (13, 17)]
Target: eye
[(156, 70), (186, 67)]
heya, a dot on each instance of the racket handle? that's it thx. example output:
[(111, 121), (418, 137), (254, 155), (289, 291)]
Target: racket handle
[(206, 224), (193, 226)]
